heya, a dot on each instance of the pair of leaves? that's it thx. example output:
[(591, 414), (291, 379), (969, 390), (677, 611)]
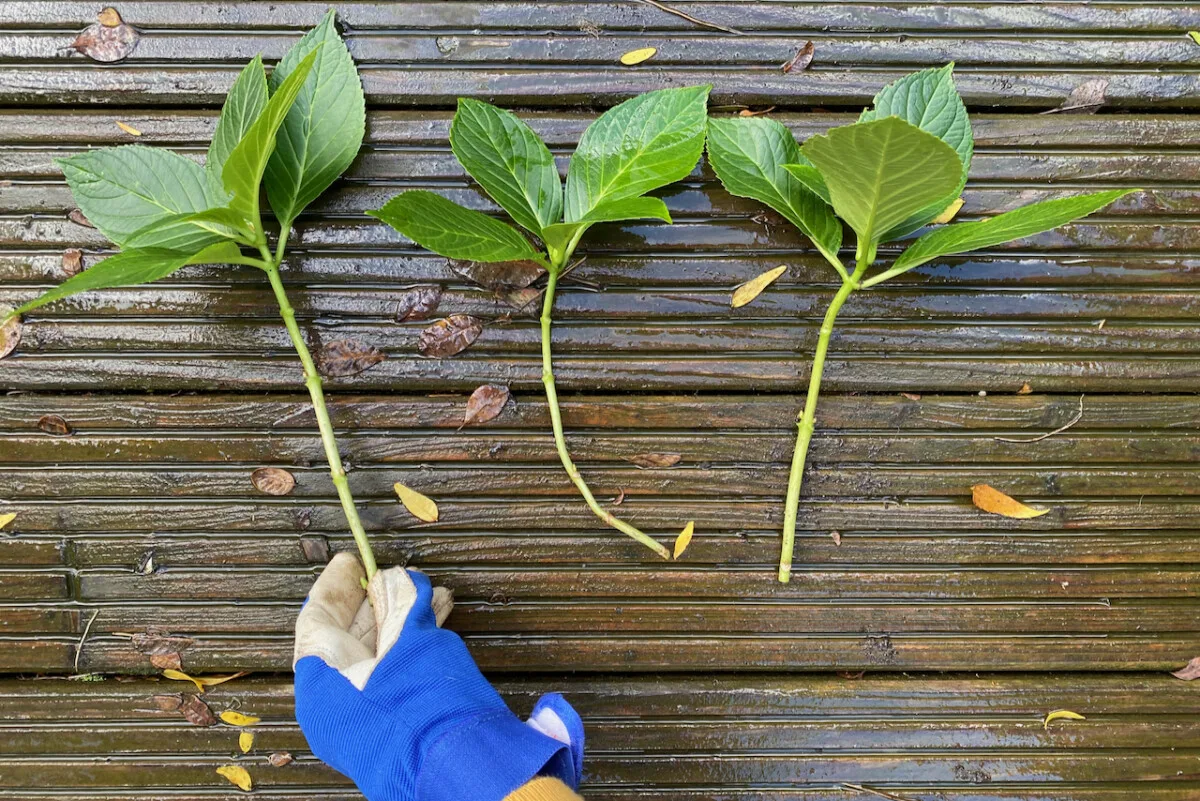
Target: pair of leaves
[(166, 211), (640, 145)]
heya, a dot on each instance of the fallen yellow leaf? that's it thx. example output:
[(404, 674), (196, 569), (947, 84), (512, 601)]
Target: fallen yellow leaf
[(129, 129), (201, 682), (1025, 389), (684, 539), (948, 213), (996, 502), (246, 741), (237, 775), (238, 719), (638, 56), (1061, 714), (6, 519), (417, 504), (754, 287), (109, 17), (1195, 36)]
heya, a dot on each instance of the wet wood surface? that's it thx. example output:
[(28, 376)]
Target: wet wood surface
[(701, 679)]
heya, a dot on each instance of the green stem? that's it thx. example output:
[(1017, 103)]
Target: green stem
[(807, 423), (312, 380), (560, 442)]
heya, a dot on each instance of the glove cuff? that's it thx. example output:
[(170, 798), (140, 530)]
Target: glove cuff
[(488, 757)]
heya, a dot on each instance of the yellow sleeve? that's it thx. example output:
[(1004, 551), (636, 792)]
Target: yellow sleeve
[(543, 788)]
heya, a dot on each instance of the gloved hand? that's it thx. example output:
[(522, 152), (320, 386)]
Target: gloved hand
[(393, 701)]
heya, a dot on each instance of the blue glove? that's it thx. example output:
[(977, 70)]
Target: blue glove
[(394, 702)]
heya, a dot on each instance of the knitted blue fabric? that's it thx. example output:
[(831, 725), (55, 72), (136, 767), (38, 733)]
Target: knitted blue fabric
[(427, 726)]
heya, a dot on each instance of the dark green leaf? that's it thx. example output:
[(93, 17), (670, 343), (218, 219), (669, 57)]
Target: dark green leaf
[(323, 130), (450, 230), (243, 105), (810, 176), (243, 170), (509, 161), (749, 153), (881, 173), (558, 237), (223, 222), (122, 190), (1023, 222), (642, 144), (130, 268)]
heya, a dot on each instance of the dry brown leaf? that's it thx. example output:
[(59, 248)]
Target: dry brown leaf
[(418, 505), (836, 536), (498, 276), (648, 460), (237, 775), (449, 336), (1025, 389), (170, 661), (418, 303), (246, 741), (280, 758), (347, 357), (520, 299), (750, 290), (196, 711), (10, 332), (684, 539), (55, 425), (7, 518), (76, 216), (109, 17), (749, 113), (1189, 671), (105, 42), (801, 60), (912, 396), (238, 719), (1086, 98), (157, 640), (72, 262), (617, 501), (948, 213), (273, 480), (993, 500), (167, 703), (486, 403), (315, 549), (129, 129), (638, 56), (1061, 714)]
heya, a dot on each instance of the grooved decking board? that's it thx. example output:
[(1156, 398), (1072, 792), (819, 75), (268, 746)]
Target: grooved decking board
[(726, 737)]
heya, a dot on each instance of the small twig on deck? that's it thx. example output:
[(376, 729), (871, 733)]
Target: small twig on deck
[(690, 18), (862, 788), (83, 639), (1078, 416)]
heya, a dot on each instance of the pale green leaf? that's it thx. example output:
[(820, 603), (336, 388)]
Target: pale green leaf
[(929, 100), (881, 173), (810, 176), (223, 222), (127, 268), (323, 130), (642, 144), (122, 190), (449, 230), (748, 155), (245, 102), (1017, 224), (509, 161), (558, 236), (243, 170)]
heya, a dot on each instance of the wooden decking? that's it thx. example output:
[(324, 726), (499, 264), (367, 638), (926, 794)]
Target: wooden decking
[(701, 679)]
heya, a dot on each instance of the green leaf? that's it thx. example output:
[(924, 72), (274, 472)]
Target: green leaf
[(130, 268), (642, 144), (122, 190), (1017, 224), (243, 170), (810, 176), (509, 161), (449, 230), (223, 222), (929, 100), (881, 173), (558, 236), (243, 105), (323, 131), (748, 154)]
